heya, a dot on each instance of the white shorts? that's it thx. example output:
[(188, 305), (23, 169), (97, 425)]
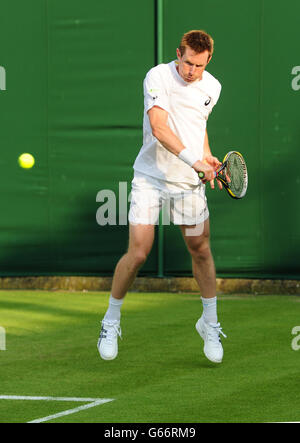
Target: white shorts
[(181, 203)]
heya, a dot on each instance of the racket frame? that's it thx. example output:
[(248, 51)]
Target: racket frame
[(221, 168)]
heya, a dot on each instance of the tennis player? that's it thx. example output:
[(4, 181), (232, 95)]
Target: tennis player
[(178, 99)]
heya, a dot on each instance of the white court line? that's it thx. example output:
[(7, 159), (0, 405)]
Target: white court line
[(26, 397), (92, 403), (71, 411)]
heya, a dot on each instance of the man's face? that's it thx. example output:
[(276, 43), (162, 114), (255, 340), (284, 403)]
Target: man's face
[(191, 65)]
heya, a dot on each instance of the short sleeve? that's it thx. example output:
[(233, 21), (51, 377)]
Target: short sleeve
[(217, 93), (155, 90)]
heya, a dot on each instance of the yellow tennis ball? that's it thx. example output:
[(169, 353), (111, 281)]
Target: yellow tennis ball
[(26, 161)]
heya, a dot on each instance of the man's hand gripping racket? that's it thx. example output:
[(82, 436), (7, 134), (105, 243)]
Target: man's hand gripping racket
[(232, 174)]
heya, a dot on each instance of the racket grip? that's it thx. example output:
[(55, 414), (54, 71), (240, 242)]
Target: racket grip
[(201, 175)]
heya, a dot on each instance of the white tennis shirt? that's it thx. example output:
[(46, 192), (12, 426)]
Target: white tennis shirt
[(188, 106)]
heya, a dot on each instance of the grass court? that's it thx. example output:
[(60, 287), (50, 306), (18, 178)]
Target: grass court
[(161, 374)]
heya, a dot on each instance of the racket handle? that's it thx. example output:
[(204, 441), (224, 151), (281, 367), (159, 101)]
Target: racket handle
[(201, 175)]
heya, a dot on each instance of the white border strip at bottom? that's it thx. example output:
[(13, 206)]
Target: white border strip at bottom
[(92, 403)]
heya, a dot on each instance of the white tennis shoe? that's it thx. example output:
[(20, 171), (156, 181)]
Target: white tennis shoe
[(210, 333), (108, 340)]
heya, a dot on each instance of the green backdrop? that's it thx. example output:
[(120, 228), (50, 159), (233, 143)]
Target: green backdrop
[(73, 98)]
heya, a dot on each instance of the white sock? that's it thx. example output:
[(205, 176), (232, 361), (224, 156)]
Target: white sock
[(113, 312), (210, 309)]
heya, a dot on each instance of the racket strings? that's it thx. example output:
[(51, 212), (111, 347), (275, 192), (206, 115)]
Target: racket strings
[(237, 172)]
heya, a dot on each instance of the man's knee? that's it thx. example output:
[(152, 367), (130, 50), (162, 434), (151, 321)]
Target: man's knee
[(138, 258), (200, 251), (140, 244)]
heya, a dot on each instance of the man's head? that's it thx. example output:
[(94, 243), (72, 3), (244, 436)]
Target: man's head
[(194, 54)]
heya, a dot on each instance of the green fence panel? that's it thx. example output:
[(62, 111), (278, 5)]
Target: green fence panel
[(97, 63), (74, 99), (280, 138), (24, 220), (255, 49), (71, 93)]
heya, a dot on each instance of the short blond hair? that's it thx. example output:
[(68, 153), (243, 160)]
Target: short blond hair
[(199, 41)]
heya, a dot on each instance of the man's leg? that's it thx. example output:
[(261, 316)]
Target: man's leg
[(140, 243), (202, 259), (205, 274)]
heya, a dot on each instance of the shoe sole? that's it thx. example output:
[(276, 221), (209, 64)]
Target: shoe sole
[(107, 358), (202, 335)]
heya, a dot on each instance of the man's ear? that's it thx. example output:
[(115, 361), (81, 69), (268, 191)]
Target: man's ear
[(209, 58), (178, 54)]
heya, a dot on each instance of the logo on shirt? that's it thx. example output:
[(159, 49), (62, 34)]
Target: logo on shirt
[(153, 93), (208, 101)]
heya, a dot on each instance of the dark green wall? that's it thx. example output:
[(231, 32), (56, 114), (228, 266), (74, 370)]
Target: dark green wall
[(74, 99), (256, 46)]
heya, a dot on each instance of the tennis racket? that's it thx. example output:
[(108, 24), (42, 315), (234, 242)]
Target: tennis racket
[(232, 174)]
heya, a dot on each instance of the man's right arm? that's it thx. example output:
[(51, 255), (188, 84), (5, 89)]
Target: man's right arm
[(158, 118)]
